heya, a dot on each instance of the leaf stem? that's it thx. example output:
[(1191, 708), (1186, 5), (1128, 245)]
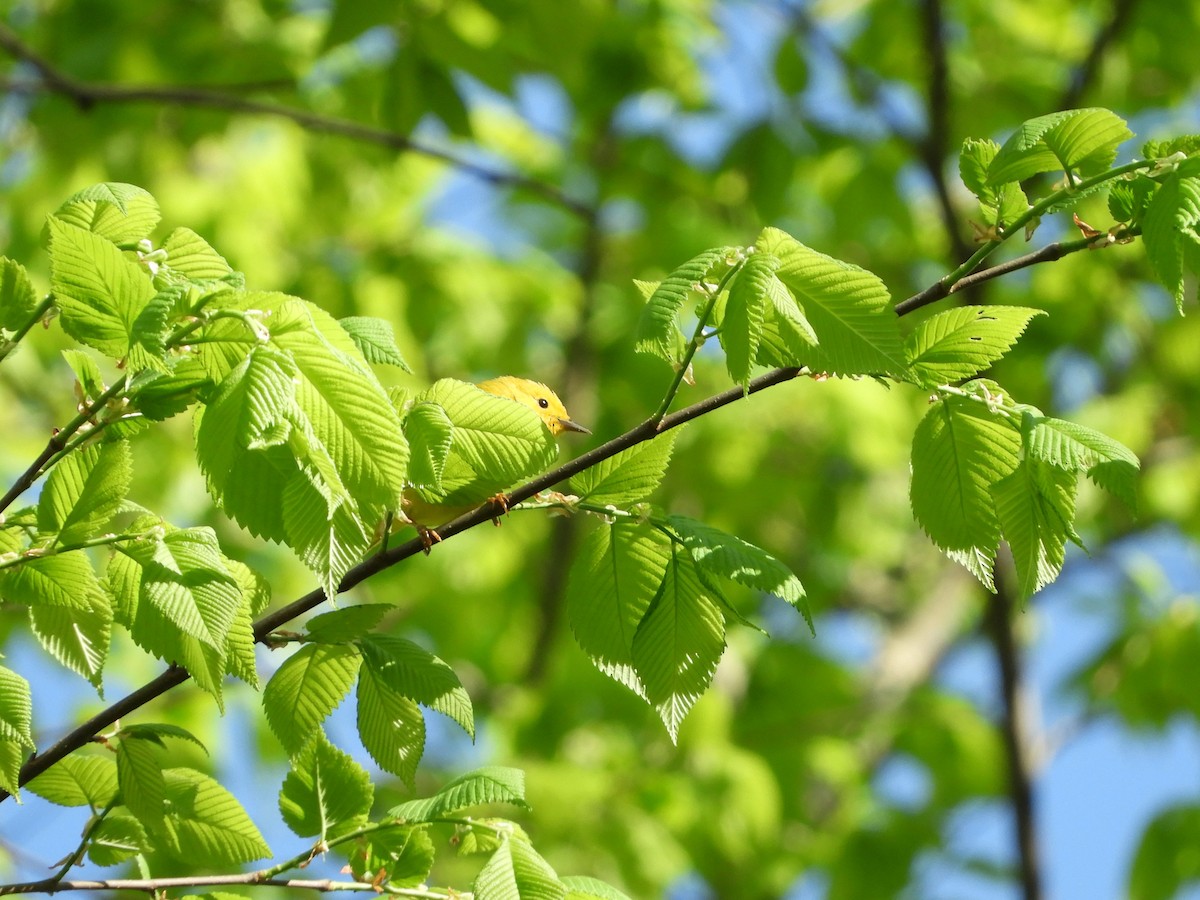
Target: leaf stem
[(36, 316), (17, 559)]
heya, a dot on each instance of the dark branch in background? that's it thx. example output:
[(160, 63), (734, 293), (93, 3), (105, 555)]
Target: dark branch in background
[(86, 95), (175, 675), (1085, 74)]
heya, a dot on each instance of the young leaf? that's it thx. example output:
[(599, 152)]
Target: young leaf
[(1171, 231), (341, 625), (722, 555), (16, 713), (101, 295), (117, 838), (960, 450), (658, 328), (405, 855), (140, 775), (414, 672), (1083, 141), (324, 789), (615, 575), (78, 781), (516, 872), (156, 731), (745, 310), (1071, 446), (390, 725), (629, 477), (84, 490), (491, 784), (430, 435), (191, 257), (960, 343), (375, 339), (998, 205), (18, 299), (581, 887), (78, 638), (1128, 200), (120, 213), (159, 396), (306, 689), (679, 642), (1036, 508), (87, 373), (205, 821), (64, 580), (849, 310)]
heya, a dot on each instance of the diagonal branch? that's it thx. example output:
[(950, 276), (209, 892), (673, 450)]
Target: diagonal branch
[(1085, 74), (86, 95)]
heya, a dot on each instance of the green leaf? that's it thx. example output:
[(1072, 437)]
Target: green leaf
[(140, 775), (18, 299), (614, 577), (404, 855), (204, 821), (84, 490), (658, 328), (1164, 863), (16, 716), (341, 625), (78, 638), (629, 477), (159, 396), (1171, 231), (516, 872), (87, 373), (375, 339), (78, 781), (1083, 141), (849, 310), (998, 206), (117, 838), (491, 784), (191, 257), (745, 310), (414, 672), (120, 213), (104, 298), (1071, 446), (1035, 505), (679, 642), (306, 689), (1129, 200), (960, 450), (722, 555), (430, 436), (581, 887), (325, 788), (960, 343), (64, 580), (390, 725)]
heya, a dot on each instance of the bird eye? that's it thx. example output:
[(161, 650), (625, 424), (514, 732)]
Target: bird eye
[(543, 403)]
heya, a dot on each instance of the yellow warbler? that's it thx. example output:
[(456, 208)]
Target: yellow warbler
[(426, 512)]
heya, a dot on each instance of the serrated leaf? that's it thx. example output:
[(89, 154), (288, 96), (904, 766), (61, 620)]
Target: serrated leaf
[(1171, 231), (658, 327), (18, 299), (87, 373), (159, 396), (722, 555), (1128, 200), (516, 872), (120, 213), (998, 206), (101, 295), (614, 577), (205, 821), (190, 256), (1071, 446), (117, 838), (745, 310), (390, 725), (341, 625), (1083, 141), (630, 476), (1035, 505), (414, 672), (140, 776), (78, 638), (848, 308), (404, 856), (64, 580), (16, 716), (490, 784), (960, 450), (375, 339), (84, 491), (430, 435), (960, 343), (78, 781), (306, 689), (581, 887), (679, 642), (325, 788), (156, 731)]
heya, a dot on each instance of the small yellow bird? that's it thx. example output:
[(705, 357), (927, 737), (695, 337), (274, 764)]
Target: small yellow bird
[(426, 513)]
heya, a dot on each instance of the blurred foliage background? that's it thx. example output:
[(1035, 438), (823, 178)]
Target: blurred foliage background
[(517, 164)]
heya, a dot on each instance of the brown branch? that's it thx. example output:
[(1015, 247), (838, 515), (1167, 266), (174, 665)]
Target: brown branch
[(154, 885), (87, 95), (1085, 73)]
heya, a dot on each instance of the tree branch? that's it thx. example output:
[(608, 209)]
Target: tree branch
[(86, 95), (1085, 74), (154, 885)]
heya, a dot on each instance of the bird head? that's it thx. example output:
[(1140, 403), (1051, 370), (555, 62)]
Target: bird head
[(537, 397)]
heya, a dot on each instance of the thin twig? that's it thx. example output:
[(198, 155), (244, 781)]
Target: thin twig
[(85, 95), (154, 885), (1085, 74)]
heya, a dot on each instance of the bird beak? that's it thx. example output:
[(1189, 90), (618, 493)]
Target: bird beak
[(568, 425)]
